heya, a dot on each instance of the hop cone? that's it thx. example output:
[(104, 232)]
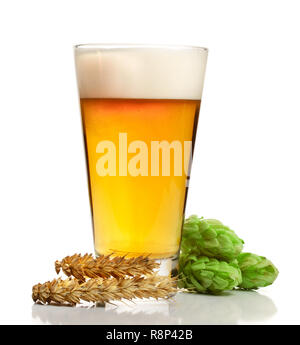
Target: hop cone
[(211, 238), (257, 271), (207, 275)]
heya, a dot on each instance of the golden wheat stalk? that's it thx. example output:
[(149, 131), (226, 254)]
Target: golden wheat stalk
[(105, 266), (70, 291)]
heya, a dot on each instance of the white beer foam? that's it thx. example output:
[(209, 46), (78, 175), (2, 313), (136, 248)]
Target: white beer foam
[(148, 72)]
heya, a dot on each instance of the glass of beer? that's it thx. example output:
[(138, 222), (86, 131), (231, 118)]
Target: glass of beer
[(139, 107)]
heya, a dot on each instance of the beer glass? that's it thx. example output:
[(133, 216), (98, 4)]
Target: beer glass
[(139, 107)]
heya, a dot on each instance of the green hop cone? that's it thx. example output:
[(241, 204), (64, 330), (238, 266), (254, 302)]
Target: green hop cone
[(207, 275), (257, 271), (211, 238)]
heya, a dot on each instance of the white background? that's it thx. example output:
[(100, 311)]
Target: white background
[(246, 165)]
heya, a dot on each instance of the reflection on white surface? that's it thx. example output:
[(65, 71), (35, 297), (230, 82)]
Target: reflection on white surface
[(140, 312), (233, 308)]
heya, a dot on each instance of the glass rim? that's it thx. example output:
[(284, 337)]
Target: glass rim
[(111, 46)]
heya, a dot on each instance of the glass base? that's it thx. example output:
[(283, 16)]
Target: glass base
[(167, 266)]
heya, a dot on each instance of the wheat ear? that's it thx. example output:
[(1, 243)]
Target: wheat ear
[(70, 291), (105, 266)]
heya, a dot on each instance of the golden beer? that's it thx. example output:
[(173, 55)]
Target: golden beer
[(137, 214), (139, 108)]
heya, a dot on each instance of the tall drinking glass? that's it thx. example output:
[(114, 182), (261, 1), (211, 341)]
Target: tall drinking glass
[(139, 106)]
